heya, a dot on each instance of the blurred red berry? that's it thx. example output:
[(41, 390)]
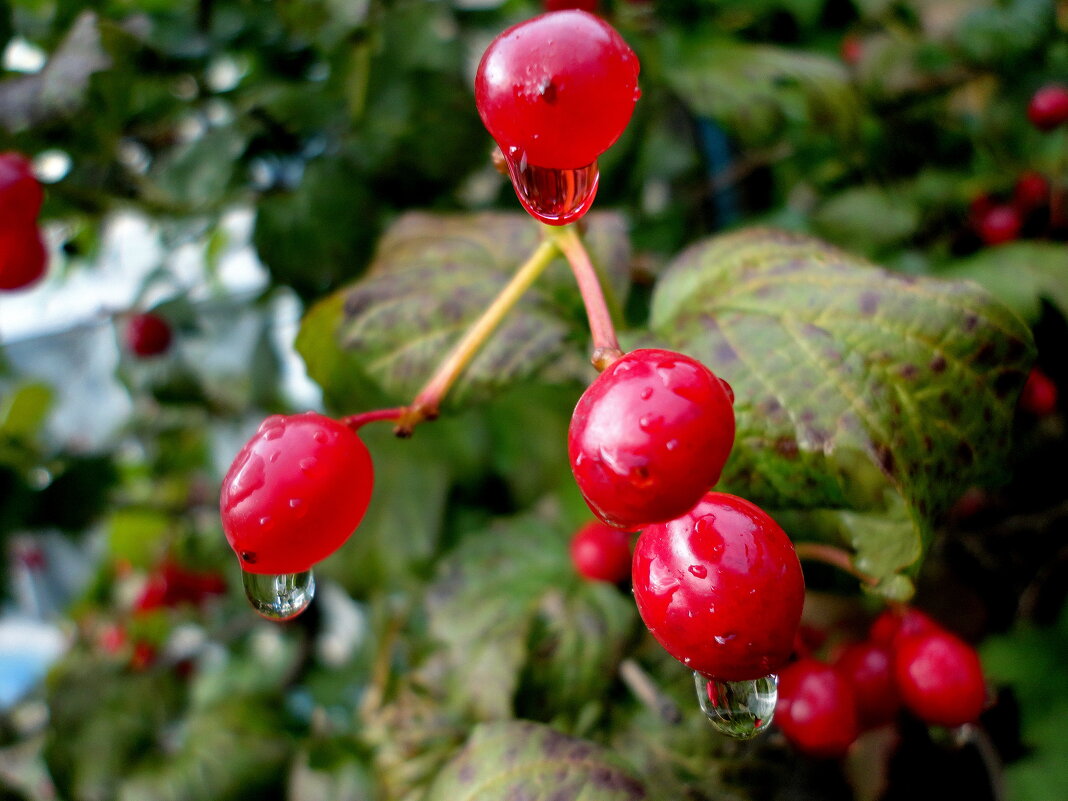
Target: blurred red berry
[(1039, 394), (940, 677), (999, 225), (148, 334), (1048, 108), (851, 49), (23, 256), (563, 5), (20, 193), (1031, 192), (869, 669), (899, 622), (601, 553)]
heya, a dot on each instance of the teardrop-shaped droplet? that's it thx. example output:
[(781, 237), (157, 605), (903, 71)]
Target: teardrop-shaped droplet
[(554, 196), (739, 709), (279, 597)]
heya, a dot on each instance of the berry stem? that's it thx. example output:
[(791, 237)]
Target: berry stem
[(426, 403), (836, 557), (356, 421), (605, 345)]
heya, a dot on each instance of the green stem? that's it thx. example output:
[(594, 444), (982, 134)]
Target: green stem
[(605, 345), (426, 403), (836, 557)]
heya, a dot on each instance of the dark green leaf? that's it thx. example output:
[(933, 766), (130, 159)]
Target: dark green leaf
[(867, 218), (507, 598), (1021, 274), (521, 760), (856, 389), (753, 90), (431, 278)]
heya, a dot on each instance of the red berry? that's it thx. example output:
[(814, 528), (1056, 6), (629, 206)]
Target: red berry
[(23, 257), (1048, 107), (720, 588), (869, 669), (563, 5), (20, 193), (558, 89), (148, 334), (1000, 224), (1031, 192), (649, 437), (601, 553), (851, 49), (816, 710), (1039, 394), (295, 493), (940, 677), (899, 622)]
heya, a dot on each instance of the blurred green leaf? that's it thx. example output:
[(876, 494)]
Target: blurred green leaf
[(1020, 274), (135, 536), (508, 761), (853, 385), (432, 276), (1006, 32), (754, 90), (867, 218), (195, 176), (23, 411)]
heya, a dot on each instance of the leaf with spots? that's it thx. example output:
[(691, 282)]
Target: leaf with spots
[(519, 627), (857, 389), (523, 761), (431, 278)]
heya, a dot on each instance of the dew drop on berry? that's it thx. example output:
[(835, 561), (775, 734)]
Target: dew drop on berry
[(705, 525), (300, 509), (553, 196), (647, 393), (698, 571), (739, 709), (308, 465), (320, 437), (249, 478), (279, 597)]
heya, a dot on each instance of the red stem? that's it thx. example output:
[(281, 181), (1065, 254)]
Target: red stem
[(355, 421), (830, 555)]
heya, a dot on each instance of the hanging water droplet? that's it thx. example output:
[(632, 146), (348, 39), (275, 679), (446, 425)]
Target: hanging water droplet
[(739, 709), (279, 597), (554, 196)]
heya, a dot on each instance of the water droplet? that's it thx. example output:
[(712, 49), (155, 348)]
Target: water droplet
[(250, 477), (647, 393), (554, 196), (672, 444), (308, 464), (705, 525), (699, 571), (265, 521), (299, 507), (644, 422), (320, 437), (274, 457), (723, 639), (274, 423), (279, 597), (739, 709)]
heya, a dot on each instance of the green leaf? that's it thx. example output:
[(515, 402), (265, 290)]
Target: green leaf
[(24, 411), (508, 598), (1030, 660), (856, 389), (1020, 274), (196, 175), (868, 218), (753, 90), (431, 278), (522, 760), (135, 535)]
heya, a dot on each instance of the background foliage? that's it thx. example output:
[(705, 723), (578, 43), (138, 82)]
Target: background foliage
[(453, 653)]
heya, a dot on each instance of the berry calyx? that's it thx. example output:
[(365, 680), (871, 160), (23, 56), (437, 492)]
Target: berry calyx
[(869, 669), (23, 257), (20, 193), (1039, 394), (816, 710), (1000, 224), (147, 335), (1048, 108), (720, 588), (940, 677), (601, 553), (295, 493), (557, 90), (649, 437)]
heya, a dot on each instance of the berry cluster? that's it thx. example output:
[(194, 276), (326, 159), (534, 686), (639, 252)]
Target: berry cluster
[(1023, 212), (23, 257), (147, 334), (907, 661)]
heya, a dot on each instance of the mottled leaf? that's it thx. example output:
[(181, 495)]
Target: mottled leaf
[(1021, 274), (753, 90), (522, 761), (431, 278), (856, 389), (507, 598)]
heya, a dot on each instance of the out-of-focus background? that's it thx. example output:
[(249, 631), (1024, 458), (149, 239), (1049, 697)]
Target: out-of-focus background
[(229, 164)]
